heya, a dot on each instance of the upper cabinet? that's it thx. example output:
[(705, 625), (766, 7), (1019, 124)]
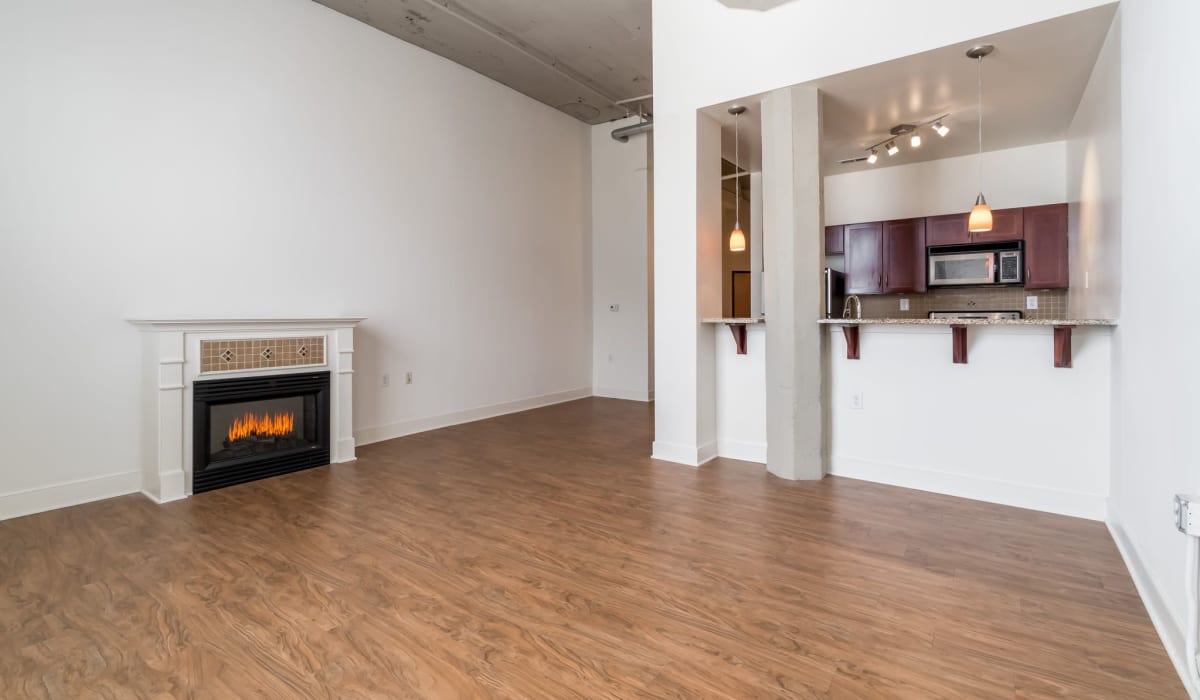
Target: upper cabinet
[(1007, 225), (904, 256), (835, 240), (1046, 263), (951, 229), (864, 258), (885, 257), (889, 257)]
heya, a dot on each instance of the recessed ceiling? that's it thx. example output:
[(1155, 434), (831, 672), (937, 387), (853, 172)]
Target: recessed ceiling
[(1032, 85), (578, 56)]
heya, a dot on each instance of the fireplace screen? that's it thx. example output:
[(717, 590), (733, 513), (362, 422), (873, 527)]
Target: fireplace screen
[(255, 427)]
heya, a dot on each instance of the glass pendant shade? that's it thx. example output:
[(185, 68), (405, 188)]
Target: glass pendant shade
[(737, 239), (981, 216)]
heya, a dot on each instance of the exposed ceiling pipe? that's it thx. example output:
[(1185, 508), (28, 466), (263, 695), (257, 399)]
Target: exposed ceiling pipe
[(460, 12), (625, 132)]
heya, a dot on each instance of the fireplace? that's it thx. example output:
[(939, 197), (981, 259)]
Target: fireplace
[(249, 428)]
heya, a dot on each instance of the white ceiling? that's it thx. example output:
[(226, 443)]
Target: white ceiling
[(579, 56), (1032, 84)]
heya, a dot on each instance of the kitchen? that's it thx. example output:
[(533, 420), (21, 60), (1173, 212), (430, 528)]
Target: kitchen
[(975, 363)]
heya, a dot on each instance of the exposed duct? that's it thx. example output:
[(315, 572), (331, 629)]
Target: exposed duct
[(625, 132)]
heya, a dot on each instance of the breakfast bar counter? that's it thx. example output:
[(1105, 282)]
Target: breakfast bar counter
[(968, 321), (958, 331)]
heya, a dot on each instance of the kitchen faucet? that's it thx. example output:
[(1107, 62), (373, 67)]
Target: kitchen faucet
[(857, 304)]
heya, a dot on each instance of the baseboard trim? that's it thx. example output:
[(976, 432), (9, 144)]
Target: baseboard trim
[(366, 436), (1170, 633), (1079, 505), (745, 451), (689, 455), (68, 493), (626, 394)]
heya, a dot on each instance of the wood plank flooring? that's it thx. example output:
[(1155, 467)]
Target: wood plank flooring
[(543, 555)]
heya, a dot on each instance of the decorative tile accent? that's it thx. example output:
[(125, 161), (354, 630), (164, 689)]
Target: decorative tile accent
[(261, 353)]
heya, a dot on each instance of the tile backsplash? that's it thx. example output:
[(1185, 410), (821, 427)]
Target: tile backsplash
[(1051, 303)]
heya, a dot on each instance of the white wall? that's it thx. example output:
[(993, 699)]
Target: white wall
[(1094, 188), (1157, 383), (1013, 177), (272, 158), (793, 43), (1007, 427), (620, 264), (742, 395)]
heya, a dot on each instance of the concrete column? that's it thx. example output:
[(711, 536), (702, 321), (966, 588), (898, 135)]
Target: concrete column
[(793, 248)]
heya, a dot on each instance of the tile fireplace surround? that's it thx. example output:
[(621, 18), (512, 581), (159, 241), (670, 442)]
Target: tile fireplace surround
[(177, 352)]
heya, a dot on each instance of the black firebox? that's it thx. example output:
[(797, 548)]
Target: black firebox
[(249, 428)]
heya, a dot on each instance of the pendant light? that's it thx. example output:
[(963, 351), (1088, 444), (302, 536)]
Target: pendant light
[(981, 214), (737, 239)]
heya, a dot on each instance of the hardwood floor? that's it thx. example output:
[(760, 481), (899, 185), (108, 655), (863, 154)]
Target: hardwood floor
[(543, 555)]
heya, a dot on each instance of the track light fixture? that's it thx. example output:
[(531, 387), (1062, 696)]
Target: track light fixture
[(912, 131)]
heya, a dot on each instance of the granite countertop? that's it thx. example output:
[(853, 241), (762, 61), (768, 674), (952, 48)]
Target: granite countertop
[(760, 319), (968, 322)]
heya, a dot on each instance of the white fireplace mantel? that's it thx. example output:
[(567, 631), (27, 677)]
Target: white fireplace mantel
[(171, 365)]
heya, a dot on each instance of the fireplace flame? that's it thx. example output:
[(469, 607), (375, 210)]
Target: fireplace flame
[(266, 425)]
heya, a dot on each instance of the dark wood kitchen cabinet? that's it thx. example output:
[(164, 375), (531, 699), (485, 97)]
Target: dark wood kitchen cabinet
[(885, 257), (904, 256), (835, 240), (864, 258), (1046, 263), (1007, 225), (951, 229)]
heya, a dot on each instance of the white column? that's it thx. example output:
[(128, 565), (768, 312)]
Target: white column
[(164, 479), (342, 401), (687, 264), (793, 249), (756, 243)]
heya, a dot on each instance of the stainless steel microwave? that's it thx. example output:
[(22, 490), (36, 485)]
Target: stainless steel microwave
[(950, 267)]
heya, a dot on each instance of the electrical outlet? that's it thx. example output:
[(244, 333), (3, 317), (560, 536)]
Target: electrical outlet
[(1031, 303), (1187, 515), (904, 304), (856, 401), (387, 380), (614, 307), (408, 377)]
